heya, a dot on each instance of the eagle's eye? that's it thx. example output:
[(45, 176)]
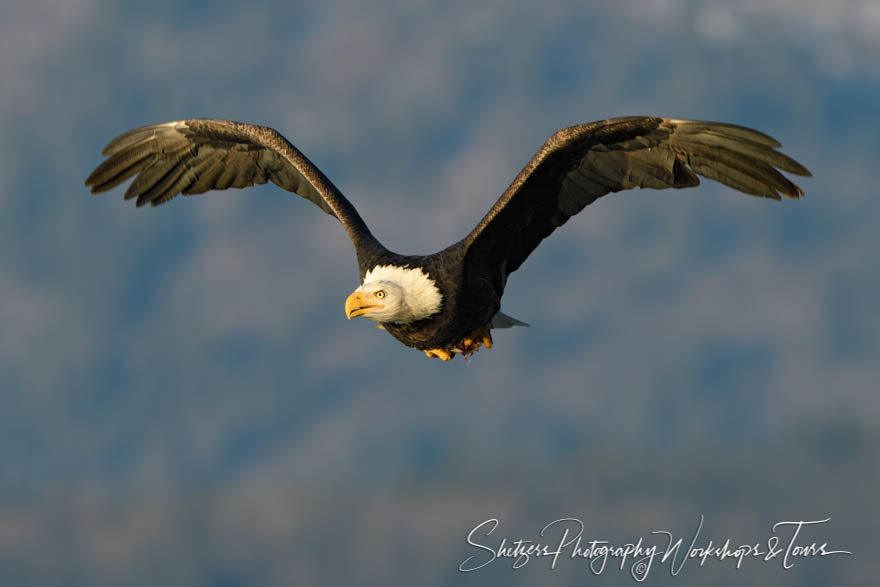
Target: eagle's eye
[(380, 294)]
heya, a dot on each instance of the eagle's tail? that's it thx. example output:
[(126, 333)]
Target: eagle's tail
[(502, 320)]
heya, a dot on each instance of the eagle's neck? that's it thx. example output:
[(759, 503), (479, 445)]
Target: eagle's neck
[(421, 296)]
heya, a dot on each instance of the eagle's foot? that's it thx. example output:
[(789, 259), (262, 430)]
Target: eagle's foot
[(472, 341), (442, 354)]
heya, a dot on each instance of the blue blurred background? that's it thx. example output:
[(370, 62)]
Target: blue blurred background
[(184, 403)]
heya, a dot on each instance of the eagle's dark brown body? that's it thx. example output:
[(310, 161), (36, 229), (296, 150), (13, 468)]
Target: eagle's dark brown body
[(469, 302)]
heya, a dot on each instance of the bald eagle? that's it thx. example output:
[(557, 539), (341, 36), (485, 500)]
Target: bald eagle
[(448, 302)]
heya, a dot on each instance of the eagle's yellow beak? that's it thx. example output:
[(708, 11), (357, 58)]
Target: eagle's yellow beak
[(355, 305)]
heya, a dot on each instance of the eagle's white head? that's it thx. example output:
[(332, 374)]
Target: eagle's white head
[(394, 294)]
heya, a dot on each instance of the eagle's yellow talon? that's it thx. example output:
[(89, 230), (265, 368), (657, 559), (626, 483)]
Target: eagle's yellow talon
[(469, 344), (472, 341), (441, 354)]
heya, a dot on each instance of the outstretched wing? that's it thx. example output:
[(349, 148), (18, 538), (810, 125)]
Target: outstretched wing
[(578, 165), (194, 156)]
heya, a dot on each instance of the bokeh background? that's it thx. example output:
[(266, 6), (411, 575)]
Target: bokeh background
[(182, 401)]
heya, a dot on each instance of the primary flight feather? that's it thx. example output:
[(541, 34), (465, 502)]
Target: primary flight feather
[(448, 302)]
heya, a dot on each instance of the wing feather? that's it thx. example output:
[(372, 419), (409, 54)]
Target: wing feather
[(207, 171), (203, 154), (165, 187), (151, 175), (113, 172), (580, 164)]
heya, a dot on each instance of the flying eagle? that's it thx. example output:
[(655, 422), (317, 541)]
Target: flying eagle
[(447, 302)]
